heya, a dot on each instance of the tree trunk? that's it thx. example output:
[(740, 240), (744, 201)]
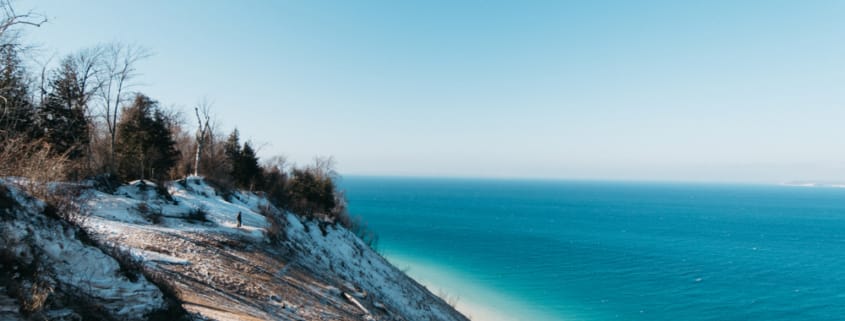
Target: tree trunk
[(197, 160), (202, 131)]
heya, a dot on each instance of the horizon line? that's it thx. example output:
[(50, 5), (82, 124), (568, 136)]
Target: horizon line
[(795, 183)]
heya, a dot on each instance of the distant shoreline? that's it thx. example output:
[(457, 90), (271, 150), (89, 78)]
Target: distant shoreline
[(475, 300), (814, 184)]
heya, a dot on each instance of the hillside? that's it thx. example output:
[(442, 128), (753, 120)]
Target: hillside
[(275, 267)]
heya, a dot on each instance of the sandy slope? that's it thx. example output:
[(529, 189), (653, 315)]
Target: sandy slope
[(223, 272)]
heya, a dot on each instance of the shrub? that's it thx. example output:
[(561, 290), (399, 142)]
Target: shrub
[(33, 295), (38, 164), (142, 209), (152, 215), (25, 158), (222, 187), (276, 231), (156, 217), (275, 186), (161, 190), (106, 183), (62, 203), (130, 266), (310, 193), (198, 214), (451, 300), (7, 202), (22, 273), (358, 227)]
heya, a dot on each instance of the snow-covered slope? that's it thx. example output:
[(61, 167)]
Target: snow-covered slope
[(307, 270), (340, 255), (44, 256)]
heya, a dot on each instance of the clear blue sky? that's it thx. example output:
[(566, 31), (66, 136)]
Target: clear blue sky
[(666, 90)]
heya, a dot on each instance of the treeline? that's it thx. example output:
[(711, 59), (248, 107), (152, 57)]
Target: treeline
[(83, 120)]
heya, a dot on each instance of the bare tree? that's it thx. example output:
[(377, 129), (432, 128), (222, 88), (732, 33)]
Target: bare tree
[(85, 64), (277, 162), (82, 67), (324, 167), (11, 18), (214, 164), (203, 111), (115, 79), (42, 82), (75, 82)]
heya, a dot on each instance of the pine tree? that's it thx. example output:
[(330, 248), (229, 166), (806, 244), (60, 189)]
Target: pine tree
[(145, 146), (250, 171), (163, 146), (232, 147), (232, 151), (61, 121), (16, 110), (245, 171)]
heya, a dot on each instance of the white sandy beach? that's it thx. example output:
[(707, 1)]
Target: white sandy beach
[(476, 301)]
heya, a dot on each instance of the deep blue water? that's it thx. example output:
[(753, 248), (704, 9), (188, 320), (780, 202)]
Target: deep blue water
[(626, 251)]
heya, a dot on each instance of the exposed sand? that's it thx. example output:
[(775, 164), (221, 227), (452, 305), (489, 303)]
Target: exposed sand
[(481, 313), (476, 301)]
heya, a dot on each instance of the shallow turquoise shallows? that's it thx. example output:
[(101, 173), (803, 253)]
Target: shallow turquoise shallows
[(619, 250)]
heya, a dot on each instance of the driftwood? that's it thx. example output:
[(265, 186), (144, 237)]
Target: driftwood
[(356, 303)]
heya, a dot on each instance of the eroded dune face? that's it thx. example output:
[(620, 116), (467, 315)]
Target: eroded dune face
[(191, 247)]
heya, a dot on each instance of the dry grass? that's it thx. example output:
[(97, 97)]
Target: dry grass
[(452, 300), (33, 160), (276, 231), (34, 295), (39, 171)]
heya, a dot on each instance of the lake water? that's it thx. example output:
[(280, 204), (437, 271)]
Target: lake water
[(572, 250)]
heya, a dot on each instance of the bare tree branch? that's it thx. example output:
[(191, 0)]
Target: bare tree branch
[(203, 111), (85, 63), (11, 18), (115, 76), (42, 82)]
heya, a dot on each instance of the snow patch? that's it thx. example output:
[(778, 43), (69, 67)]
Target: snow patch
[(76, 265)]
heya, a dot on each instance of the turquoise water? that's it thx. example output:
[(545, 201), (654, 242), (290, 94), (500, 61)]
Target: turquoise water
[(618, 250)]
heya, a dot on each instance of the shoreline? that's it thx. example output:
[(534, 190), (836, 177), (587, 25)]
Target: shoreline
[(473, 299)]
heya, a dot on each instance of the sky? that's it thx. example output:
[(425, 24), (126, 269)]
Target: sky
[(745, 91)]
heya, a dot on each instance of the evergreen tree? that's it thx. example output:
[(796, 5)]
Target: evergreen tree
[(145, 145), (16, 110), (250, 171), (275, 185), (232, 148), (163, 147), (61, 121), (244, 169), (232, 151), (310, 193)]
